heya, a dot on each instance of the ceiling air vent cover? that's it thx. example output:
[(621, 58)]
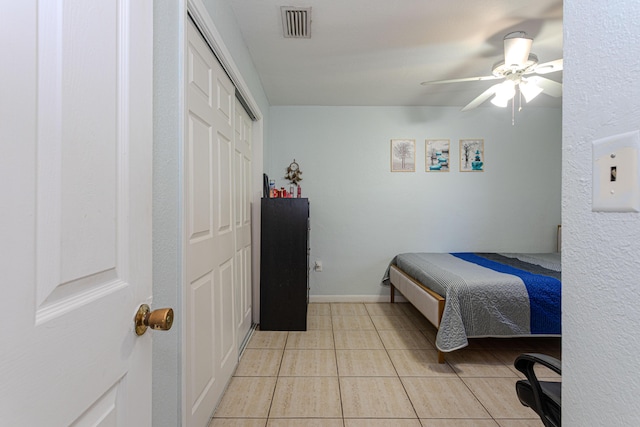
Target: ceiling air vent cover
[(296, 22)]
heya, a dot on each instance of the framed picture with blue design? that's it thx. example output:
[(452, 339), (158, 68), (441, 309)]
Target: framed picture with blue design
[(436, 152), (472, 155)]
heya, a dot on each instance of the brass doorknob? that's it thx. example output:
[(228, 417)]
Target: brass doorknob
[(160, 319)]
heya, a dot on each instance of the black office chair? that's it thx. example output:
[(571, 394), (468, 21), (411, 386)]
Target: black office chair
[(544, 397)]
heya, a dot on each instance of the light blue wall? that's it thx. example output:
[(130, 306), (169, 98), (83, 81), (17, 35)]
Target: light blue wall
[(362, 214)]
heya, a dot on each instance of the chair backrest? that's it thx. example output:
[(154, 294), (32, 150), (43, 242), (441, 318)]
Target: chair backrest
[(544, 397)]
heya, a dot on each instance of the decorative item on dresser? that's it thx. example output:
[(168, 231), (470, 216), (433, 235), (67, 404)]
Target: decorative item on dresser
[(284, 264)]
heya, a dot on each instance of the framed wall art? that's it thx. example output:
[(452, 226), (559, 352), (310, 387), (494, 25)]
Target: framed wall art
[(436, 155), (472, 155), (403, 155)]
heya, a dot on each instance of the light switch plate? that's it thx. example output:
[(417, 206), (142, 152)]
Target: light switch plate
[(616, 182)]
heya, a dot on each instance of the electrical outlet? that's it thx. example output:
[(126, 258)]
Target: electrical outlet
[(317, 266), (616, 181)]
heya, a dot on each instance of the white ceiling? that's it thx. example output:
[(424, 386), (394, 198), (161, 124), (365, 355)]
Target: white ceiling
[(376, 52)]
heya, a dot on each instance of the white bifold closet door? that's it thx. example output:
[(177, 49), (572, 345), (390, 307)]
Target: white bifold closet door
[(217, 233), (242, 215)]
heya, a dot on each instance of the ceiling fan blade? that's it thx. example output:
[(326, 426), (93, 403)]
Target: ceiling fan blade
[(466, 79), (548, 67), (482, 97), (517, 47), (550, 87)]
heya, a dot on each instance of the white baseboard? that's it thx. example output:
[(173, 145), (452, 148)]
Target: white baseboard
[(354, 298)]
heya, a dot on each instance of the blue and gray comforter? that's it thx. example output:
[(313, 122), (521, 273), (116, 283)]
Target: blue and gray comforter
[(489, 294)]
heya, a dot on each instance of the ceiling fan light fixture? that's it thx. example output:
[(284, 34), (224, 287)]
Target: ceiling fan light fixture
[(518, 63), (504, 92), (499, 101), (507, 89), (529, 90)]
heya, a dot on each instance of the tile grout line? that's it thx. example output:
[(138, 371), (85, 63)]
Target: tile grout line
[(397, 374), (335, 354), (275, 386), (425, 334)]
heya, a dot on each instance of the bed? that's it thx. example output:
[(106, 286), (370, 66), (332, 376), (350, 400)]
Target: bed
[(470, 295)]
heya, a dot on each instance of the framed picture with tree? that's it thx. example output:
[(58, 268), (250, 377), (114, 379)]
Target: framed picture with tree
[(471, 155), (403, 155)]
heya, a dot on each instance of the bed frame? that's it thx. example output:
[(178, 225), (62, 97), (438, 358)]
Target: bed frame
[(429, 303)]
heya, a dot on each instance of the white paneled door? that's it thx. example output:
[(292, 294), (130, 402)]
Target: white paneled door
[(242, 215), (75, 211), (211, 348)]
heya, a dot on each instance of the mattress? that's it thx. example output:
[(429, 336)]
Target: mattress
[(489, 294)]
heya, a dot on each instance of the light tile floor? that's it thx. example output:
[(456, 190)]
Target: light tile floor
[(375, 365)]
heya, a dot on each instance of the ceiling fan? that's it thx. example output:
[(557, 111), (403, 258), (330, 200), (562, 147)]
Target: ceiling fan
[(520, 70)]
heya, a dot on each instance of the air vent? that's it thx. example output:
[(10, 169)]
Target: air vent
[(296, 22)]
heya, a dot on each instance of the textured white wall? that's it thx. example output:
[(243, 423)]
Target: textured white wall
[(601, 252), (362, 214), (167, 384)]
